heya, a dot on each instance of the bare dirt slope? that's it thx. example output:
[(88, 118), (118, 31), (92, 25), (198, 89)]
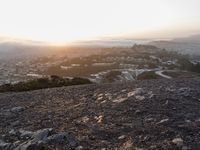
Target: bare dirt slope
[(151, 114)]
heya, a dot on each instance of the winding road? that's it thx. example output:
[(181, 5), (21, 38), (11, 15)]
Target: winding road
[(160, 73)]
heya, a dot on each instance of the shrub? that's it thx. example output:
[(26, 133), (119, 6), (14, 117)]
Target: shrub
[(41, 83), (148, 75)]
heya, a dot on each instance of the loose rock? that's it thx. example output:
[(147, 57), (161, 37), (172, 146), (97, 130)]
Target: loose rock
[(178, 141), (17, 109)]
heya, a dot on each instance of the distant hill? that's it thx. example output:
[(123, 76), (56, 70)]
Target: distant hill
[(188, 45), (195, 39), (17, 49)]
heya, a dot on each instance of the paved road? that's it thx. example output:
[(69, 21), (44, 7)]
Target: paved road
[(160, 73)]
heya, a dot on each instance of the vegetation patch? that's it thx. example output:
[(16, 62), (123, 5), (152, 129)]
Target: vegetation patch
[(41, 83), (180, 74), (112, 76), (148, 75)]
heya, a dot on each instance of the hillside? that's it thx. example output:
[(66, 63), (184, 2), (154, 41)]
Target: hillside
[(149, 114), (187, 45)]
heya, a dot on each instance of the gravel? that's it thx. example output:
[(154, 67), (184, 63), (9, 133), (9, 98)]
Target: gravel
[(150, 114)]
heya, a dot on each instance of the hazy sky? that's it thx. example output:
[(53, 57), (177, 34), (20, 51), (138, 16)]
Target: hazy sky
[(69, 20)]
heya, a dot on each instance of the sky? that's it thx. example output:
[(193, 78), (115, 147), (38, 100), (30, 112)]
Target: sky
[(60, 21)]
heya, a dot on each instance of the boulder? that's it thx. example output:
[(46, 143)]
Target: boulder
[(41, 135), (63, 138)]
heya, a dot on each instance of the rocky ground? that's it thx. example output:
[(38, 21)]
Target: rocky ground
[(151, 114)]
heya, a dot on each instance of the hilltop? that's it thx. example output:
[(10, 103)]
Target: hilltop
[(149, 114)]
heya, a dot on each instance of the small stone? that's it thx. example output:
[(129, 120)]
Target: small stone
[(127, 145), (79, 148), (16, 142), (150, 94), (99, 118), (137, 111), (99, 98), (12, 132), (149, 119), (140, 98), (184, 91), (131, 94), (124, 90), (25, 134), (120, 99), (163, 121), (121, 137), (16, 123), (103, 102), (153, 147), (166, 103), (178, 141), (138, 91), (17, 109), (188, 121), (85, 119)]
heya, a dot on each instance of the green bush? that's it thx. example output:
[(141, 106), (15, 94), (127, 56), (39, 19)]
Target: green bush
[(148, 75), (185, 64), (41, 83)]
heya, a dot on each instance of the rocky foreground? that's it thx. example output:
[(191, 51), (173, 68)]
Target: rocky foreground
[(153, 114)]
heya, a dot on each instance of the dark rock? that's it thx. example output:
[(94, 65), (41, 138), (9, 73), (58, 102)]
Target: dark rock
[(13, 132), (39, 140), (66, 137), (25, 134), (41, 135), (6, 146), (16, 123), (29, 146), (184, 91)]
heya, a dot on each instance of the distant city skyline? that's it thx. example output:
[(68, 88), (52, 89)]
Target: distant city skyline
[(62, 21)]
